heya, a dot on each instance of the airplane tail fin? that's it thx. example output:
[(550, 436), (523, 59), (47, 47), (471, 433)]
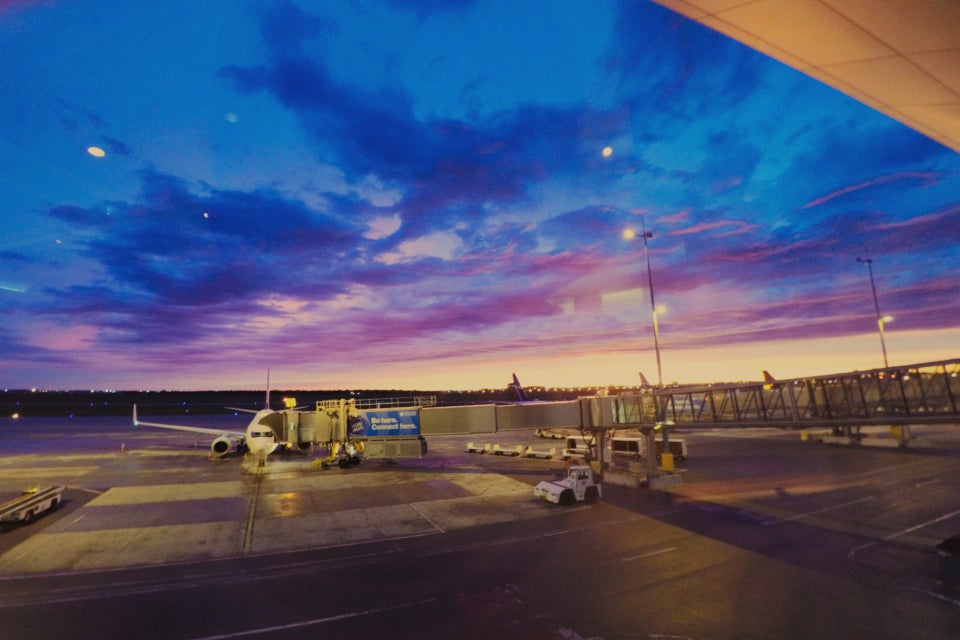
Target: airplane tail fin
[(267, 402), (768, 380), (518, 390), (643, 380)]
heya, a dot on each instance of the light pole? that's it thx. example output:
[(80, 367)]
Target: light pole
[(660, 422), (653, 304), (876, 307)]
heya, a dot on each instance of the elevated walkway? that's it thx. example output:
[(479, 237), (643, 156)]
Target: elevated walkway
[(927, 393)]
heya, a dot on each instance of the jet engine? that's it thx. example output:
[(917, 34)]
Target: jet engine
[(220, 447)]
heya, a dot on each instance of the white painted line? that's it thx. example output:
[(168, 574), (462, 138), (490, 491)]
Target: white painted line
[(800, 516), (887, 471), (538, 536), (923, 484), (315, 621), (648, 555), (22, 555), (75, 521), (922, 525), (940, 596), (867, 545), (427, 518)]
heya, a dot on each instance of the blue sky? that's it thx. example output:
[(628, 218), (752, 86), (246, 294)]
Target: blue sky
[(388, 194)]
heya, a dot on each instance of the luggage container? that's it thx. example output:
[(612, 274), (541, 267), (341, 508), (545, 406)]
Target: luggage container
[(31, 504)]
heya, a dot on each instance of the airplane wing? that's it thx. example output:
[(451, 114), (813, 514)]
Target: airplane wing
[(180, 427), (239, 410)]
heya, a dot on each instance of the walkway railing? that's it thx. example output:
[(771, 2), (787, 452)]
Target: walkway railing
[(925, 393), (402, 402)]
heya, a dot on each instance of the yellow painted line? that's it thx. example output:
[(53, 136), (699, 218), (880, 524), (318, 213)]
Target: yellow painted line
[(45, 472), (248, 533)]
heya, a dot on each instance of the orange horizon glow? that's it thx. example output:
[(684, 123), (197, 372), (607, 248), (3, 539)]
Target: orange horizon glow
[(784, 359)]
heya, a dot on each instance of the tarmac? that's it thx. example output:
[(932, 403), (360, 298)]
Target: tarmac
[(151, 497), (156, 498)]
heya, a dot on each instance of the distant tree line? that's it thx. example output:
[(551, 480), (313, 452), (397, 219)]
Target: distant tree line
[(114, 403)]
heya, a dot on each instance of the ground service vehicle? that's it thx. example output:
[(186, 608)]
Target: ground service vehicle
[(577, 486), (576, 447), (32, 503), (633, 446)]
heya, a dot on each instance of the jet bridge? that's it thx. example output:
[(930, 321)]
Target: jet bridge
[(927, 393), (379, 427)]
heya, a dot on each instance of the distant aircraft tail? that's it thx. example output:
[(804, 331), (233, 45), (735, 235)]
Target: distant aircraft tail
[(267, 402), (768, 380), (518, 390), (643, 380)]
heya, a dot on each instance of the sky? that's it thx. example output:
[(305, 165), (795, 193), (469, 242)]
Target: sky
[(434, 194)]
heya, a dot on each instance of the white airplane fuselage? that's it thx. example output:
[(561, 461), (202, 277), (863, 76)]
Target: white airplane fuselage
[(259, 437)]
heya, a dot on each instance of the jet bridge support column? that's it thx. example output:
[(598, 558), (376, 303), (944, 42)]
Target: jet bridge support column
[(650, 447), (666, 457)]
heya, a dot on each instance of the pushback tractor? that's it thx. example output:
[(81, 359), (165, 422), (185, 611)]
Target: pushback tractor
[(577, 486)]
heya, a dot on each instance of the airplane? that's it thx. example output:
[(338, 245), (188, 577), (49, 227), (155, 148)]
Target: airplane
[(769, 382), (259, 439), (647, 387), (518, 390), (521, 393)]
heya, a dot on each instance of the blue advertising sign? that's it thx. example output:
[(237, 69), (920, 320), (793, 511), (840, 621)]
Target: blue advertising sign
[(367, 424)]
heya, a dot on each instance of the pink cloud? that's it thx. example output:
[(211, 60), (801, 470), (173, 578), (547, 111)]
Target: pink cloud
[(680, 216), (926, 178), (919, 220), (738, 226)]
